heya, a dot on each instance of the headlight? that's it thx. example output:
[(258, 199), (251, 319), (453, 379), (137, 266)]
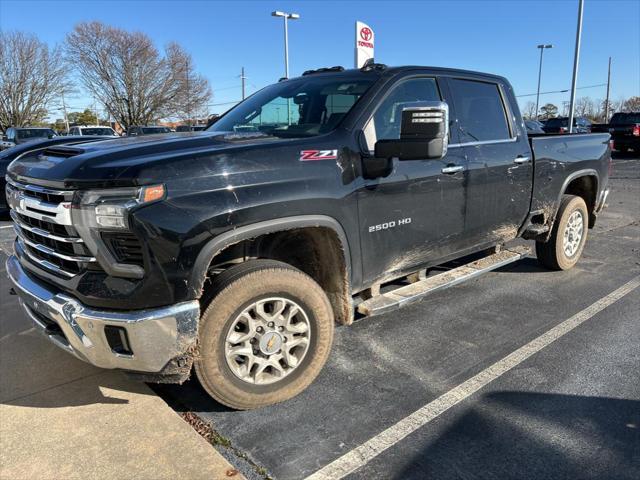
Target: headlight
[(109, 209), (97, 211)]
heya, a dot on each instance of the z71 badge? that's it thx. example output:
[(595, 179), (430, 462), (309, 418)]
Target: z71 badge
[(312, 155)]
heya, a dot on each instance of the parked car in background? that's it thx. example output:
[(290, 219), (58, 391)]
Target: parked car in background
[(625, 131), (147, 130), (16, 136), (533, 126), (190, 128), (561, 125), (98, 130)]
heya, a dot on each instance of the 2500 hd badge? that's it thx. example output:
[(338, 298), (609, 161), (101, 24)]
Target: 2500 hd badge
[(388, 225)]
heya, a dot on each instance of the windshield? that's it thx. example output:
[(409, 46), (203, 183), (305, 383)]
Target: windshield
[(25, 133), (97, 131), (152, 130), (625, 118), (303, 107)]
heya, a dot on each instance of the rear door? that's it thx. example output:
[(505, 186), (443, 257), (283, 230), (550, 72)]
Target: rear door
[(416, 213), (499, 168)]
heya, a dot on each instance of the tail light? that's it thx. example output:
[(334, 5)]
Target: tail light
[(636, 130)]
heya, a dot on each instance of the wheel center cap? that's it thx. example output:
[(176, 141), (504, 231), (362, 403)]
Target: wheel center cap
[(270, 343)]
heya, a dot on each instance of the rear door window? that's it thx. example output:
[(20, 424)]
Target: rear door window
[(480, 111)]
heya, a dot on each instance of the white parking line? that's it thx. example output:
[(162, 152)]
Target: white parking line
[(360, 456), (6, 226)]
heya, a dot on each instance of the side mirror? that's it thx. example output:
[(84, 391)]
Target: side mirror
[(5, 138), (424, 133)]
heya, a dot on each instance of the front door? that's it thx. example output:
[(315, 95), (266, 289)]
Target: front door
[(500, 170), (416, 213)]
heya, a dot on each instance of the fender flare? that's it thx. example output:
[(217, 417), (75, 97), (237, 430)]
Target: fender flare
[(588, 172), (231, 237)]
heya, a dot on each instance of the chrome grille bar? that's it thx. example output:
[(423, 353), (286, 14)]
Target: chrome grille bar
[(51, 251), (43, 263), (42, 233), (37, 188), (32, 207)]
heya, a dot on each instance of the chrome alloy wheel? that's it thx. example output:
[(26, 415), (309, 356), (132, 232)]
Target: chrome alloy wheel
[(267, 341), (573, 234)]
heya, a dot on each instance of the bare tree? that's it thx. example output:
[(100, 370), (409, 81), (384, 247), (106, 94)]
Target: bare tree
[(32, 77), (584, 107), (631, 105), (192, 99), (127, 74), (529, 111)]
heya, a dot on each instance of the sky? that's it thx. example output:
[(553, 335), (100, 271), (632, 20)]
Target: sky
[(490, 36)]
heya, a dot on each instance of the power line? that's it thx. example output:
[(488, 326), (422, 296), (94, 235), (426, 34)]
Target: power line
[(561, 91)]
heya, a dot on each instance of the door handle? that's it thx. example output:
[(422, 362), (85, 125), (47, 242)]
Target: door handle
[(520, 160), (453, 169)]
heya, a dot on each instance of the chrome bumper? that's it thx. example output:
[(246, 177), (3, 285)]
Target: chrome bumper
[(154, 337)]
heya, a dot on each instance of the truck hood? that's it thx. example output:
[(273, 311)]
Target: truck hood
[(124, 161)]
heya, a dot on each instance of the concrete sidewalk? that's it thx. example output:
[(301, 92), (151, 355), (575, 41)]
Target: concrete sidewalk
[(62, 418)]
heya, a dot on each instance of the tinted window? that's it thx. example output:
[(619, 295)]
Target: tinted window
[(388, 115), (34, 133), (480, 111), (625, 118), (97, 131), (557, 122)]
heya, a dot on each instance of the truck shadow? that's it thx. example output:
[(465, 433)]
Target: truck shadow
[(532, 435)]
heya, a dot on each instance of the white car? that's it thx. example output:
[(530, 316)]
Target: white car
[(97, 130)]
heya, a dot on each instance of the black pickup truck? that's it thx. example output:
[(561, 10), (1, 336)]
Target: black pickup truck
[(234, 251), (624, 128)]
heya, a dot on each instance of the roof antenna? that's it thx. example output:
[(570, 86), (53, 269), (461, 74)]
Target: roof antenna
[(368, 62)]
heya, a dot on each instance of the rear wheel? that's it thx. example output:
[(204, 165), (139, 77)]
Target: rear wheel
[(265, 336), (568, 235)]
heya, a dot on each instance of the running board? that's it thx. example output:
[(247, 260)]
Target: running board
[(386, 302)]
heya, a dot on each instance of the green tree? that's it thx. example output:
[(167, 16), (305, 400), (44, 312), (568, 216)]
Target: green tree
[(548, 111), (83, 118)]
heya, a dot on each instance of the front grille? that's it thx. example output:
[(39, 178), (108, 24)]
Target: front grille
[(42, 220), (125, 246)]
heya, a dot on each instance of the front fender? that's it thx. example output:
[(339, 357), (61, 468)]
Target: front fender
[(246, 232)]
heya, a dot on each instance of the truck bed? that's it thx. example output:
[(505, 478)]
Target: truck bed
[(560, 158)]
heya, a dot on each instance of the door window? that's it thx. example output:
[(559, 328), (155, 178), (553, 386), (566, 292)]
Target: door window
[(480, 111), (385, 122)]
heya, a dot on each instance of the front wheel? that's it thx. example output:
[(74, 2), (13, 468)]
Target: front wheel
[(568, 235), (265, 336)]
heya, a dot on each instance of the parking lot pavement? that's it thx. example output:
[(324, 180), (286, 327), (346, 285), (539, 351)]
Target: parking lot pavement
[(63, 418), (569, 410)]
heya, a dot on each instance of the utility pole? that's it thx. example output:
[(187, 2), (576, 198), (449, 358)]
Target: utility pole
[(576, 62), (243, 78), (606, 107)]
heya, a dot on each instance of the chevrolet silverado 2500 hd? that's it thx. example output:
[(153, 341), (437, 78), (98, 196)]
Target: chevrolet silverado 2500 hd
[(235, 250)]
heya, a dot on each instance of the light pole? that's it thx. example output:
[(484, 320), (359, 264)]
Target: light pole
[(576, 61), (286, 16), (541, 47)]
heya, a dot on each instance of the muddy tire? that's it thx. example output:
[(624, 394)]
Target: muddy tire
[(265, 336), (568, 235)]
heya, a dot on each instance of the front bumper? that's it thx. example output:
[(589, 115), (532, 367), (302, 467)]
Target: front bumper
[(154, 336)]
